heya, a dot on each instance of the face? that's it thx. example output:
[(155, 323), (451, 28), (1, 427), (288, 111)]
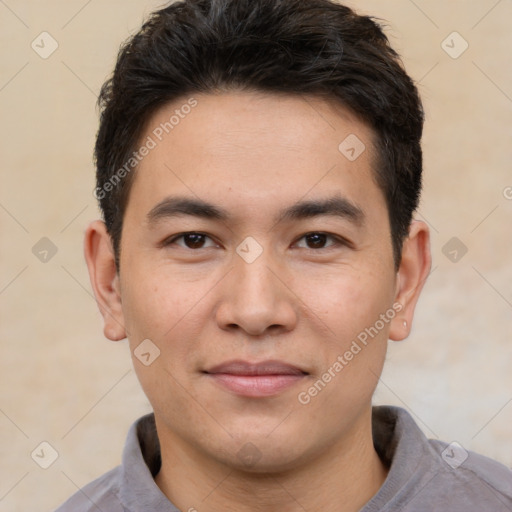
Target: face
[(256, 257)]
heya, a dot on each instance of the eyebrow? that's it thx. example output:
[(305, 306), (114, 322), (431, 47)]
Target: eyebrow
[(175, 206), (336, 206)]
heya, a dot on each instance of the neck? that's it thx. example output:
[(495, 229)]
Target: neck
[(343, 479)]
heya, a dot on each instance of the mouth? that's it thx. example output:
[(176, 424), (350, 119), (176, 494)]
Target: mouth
[(263, 379)]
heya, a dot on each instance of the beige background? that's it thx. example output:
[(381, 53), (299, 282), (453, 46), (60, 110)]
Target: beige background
[(63, 383)]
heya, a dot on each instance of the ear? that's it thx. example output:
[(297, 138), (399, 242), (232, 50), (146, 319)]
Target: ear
[(104, 277), (412, 274)]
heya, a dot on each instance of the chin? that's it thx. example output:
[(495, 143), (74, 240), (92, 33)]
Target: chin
[(264, 460), (263, 451)]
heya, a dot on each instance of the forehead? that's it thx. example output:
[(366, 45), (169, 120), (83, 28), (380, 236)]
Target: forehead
[(258, 148)]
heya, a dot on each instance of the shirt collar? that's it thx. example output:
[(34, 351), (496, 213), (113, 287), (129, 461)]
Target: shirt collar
[(141, 463), (397, 439)]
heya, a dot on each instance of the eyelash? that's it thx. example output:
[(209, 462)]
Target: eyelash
[(338, 241)]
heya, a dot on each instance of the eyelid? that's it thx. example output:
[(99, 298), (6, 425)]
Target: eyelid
[(339, 240), (172, 239)]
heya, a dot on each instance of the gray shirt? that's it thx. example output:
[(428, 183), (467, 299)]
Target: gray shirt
[(425, 475)]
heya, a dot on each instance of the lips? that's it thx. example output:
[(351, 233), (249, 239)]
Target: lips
[(264, 368), (260, 379)]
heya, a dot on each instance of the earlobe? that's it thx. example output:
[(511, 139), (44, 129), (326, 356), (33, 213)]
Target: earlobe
[(412, 274), (99, 256)]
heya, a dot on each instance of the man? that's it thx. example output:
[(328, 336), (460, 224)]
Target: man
[(258, 166)]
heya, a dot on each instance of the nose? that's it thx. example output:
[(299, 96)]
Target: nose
[(256, 300)]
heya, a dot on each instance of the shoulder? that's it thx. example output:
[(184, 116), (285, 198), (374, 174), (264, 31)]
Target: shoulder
[(428, 474), (100, 494), (471, 477)]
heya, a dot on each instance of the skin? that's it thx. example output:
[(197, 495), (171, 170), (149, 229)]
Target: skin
[(302, 301)]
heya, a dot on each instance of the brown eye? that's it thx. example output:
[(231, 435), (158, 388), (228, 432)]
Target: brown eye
[(191, 240), (317, 240), (194, 240)]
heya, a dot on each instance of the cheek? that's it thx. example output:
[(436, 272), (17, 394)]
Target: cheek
[(348, 300), (155, 301), (351, 307), (170, 311), (146, 308)]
